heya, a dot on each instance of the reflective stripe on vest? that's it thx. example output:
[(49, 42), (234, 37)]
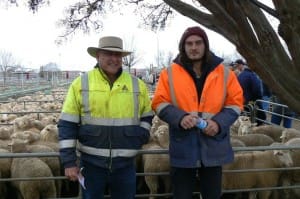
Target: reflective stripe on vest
[(172, 91), (71, 143), (107, 152), (87, 118)]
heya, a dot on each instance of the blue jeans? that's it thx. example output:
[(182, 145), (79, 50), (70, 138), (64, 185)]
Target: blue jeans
[(121, 183), (184, 181)]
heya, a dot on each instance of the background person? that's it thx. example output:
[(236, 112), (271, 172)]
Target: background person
[(252, 89), (193, 87), (107, 115)]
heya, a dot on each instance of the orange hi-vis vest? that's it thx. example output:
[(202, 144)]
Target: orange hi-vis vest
[(176, 86)]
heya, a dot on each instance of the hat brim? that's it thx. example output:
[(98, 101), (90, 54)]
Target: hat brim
[(93, 51)]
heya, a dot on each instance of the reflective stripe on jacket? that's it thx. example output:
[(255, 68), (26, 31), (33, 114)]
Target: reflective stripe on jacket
[(221, 100), (113, 121)]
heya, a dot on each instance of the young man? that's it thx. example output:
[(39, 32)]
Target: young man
[(198, 85), (106, 116)]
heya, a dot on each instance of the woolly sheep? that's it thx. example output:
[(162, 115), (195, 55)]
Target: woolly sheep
[(24, 123), (294, 175), (255, 139), (154, 163), (234, 128), (161, 136), (34, 168), (289, 133), (21, 146), (156, 122), (256, 160), (50, 133), (236, 142), (29, 136), (273, 131), (5, 132)]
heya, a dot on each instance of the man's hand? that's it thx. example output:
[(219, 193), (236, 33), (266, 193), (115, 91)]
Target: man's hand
[(212, 128), (72, 173), (188, 121)]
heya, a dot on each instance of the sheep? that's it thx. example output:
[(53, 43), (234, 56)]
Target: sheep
[(34, 168), (161, 136), (236, 142), (29, 136), (294, 176), (24, 123), (244, 125), (154, 163), (254, 139), (5, 132), (256, 160), (273, 131), (4, 144), (289, 133), (19, 146), (234, 128), (50, 133), (156, 122)]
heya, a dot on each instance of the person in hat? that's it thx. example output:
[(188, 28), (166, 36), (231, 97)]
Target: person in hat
[(252, 90), (197, 85), (106, 117)]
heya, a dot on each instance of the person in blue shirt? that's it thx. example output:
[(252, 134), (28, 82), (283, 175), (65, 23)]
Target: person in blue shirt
[(252, 89)]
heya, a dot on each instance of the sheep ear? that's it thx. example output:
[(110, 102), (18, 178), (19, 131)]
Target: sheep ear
[(281, 137)]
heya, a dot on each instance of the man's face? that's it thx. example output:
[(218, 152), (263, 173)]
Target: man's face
[(194, 47), (110, 61)]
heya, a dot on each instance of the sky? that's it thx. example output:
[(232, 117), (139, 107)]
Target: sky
[(30, 37)]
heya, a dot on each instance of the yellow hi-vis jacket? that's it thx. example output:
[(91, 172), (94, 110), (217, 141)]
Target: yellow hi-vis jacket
[(107, 123)]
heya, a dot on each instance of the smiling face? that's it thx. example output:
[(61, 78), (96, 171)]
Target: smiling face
[(194, 47), (109, 61)]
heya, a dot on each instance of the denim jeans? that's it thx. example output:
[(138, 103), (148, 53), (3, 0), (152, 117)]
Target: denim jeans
[(121, 183)]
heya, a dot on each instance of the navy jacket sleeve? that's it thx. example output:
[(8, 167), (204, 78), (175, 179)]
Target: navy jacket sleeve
[(67, 131)]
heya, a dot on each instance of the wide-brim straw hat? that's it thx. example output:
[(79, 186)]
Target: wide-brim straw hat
[(109, 43)]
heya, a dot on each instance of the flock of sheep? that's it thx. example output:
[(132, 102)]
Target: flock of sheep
[(37, 133)]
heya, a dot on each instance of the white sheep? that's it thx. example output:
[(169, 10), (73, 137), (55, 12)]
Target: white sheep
[(256, 160), (236, 142), (24, 123), (5, 132), (34, 168), (156, 122), (50, 133), (21, 146), (234, 128), (29, 136), (289, 133), (161, 136), (294, 176), (254, 139), (154, 163), (273, 131)]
